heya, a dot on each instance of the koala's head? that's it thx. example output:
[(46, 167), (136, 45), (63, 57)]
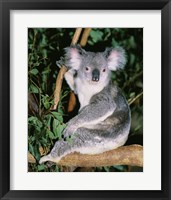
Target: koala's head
[(93, 67)]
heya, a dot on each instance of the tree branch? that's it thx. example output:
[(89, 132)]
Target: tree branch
[(71, 102), (84, 37), (126, 155), (76, 36), (131, 101), (62, 71)]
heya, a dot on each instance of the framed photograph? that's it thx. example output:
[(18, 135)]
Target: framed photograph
[(84, 99)]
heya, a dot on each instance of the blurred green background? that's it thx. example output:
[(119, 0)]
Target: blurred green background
[(45, 47)]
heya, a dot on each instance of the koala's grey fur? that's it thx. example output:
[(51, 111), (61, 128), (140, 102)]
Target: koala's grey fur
[(103, 121)]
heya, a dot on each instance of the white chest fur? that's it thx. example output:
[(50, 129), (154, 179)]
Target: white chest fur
[(86, 90)]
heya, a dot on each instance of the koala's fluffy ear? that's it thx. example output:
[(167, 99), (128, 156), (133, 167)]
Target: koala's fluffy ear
[(116, 58), (73, 56)]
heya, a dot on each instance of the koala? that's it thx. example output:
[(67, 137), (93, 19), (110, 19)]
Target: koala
[(103, 121)]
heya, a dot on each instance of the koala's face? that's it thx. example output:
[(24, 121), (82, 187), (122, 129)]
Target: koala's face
[(92, 67)]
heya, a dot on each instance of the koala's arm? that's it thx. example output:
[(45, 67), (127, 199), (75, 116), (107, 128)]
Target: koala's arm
[(96, 111), (69, 75), (100, 108)]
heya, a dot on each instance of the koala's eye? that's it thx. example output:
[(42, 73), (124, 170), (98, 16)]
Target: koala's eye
[(103, 70)]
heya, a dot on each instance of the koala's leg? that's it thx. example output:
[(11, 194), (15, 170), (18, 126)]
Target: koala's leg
[(85, 141), (95, 141), (83, 138)]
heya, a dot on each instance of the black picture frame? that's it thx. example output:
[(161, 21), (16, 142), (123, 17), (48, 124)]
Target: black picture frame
[(5, 7)]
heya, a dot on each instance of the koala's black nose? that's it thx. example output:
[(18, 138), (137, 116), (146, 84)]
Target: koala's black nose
[(95, 75)]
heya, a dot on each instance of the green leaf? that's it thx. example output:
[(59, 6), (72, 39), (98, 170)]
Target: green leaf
[(57, 169), (48, 121), (45, 101), (60, 128), (32, 119), (55, 114), (60, 109), (58, 116), (38, 129), (63, 95), (43, 141), (119, 167), (55, 124), (44, 52), (32, 139), (44, 41), (41, 167), (37, 153), (132, 42), (47, 71), (132, 94), (114, 42), (50, 134), (90, 42), (34, 71), (132, 59), (31, 149), (33, 89), (96, 35), (35, 122), (107, 169), (46, 104)]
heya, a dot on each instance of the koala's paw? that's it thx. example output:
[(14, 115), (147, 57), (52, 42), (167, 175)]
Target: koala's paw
[(59, 148), (68, 131), (60, 62)]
